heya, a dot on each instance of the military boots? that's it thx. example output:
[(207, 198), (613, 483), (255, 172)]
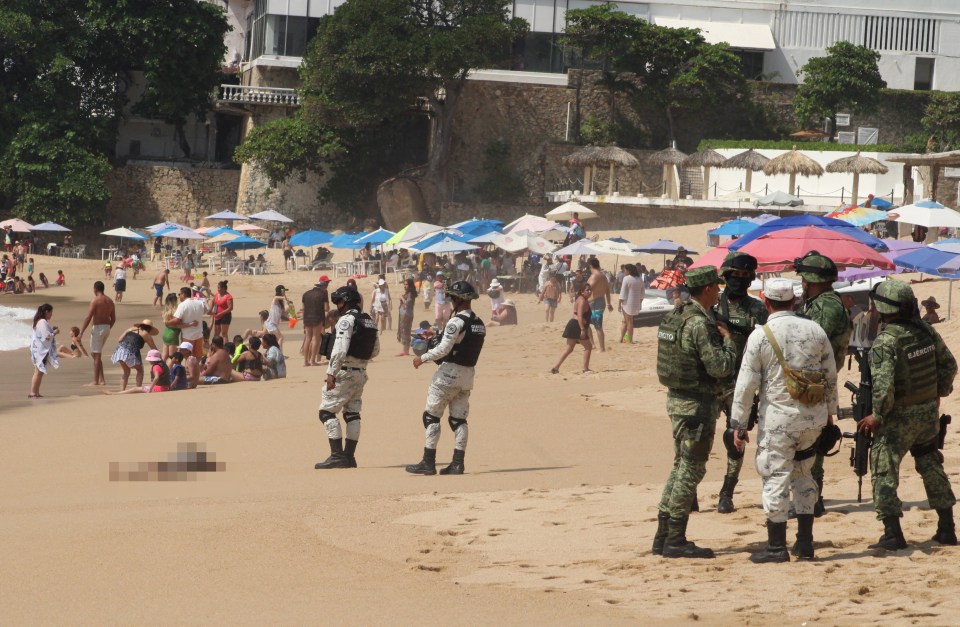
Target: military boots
[(337, 457), (725, 504), (892, 538), (818, 508), (946, 531), (776, 551), (659, 538), (427, 466), (677, 545), (803, 548), (456, 466)]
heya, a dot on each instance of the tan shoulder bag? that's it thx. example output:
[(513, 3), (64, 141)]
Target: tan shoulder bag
[(806, 386)]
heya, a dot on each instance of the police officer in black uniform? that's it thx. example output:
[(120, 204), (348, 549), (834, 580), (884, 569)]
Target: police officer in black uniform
[(356, 342), (456, 351)]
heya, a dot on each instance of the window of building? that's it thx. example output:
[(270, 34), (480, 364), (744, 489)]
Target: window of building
[(751, 64), (923, 74)]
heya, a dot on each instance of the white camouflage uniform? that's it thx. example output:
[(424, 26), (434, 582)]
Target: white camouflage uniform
[(350, 375), (786, 425), (451, 385)]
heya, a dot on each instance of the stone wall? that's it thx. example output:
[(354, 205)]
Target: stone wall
[(146, 194)]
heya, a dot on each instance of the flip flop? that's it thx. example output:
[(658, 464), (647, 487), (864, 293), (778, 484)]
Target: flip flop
[(34, 396)]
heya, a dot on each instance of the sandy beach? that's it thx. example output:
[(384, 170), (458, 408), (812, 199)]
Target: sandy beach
[(552, 523)]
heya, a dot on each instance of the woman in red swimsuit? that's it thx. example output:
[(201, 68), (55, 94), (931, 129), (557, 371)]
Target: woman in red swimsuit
[(222, 311)]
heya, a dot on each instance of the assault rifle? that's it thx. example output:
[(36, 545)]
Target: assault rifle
[(862, 407)]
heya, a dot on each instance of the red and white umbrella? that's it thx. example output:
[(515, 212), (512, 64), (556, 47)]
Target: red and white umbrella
[(778, 250)]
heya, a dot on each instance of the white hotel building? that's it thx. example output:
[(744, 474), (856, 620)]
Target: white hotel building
[(919, 42)]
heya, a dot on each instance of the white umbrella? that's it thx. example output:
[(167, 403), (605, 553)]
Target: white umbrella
[(567, 209), (222, 238), (270, 215), (448, 245), (529, 222), (415, 231), (486, 238), (181, 233), (928, 213), (50, 226), (153, 228), (510, 243), (17, 225), (540, 245), (125, 233), (248, 227), (226, 215), (579, 247), (611, 247)]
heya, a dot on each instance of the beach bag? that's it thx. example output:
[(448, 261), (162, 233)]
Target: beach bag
[(806, 386)]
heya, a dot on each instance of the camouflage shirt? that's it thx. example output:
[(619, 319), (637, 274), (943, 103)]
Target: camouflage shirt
[(718, 357), (827, 310), (883, 361), (742, 316)]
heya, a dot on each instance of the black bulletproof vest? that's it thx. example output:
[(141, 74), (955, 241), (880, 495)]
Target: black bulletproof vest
[(466, 352), (364, 336)]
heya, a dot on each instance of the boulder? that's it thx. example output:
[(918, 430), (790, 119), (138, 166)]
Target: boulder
[(404, 200)]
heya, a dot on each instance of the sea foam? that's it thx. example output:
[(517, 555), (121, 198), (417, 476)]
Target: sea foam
[(15, 329)]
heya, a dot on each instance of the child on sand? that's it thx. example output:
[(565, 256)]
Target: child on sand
[(61, 280), (75, 349), (43, 280), (551, 296)]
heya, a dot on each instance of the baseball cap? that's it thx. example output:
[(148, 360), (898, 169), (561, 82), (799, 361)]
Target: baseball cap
[(381, 282), (323, 279), (778, 289), (186, 346)]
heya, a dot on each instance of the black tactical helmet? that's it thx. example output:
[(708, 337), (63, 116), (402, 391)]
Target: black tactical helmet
[(739, 261), (463, 290), (345, 294)]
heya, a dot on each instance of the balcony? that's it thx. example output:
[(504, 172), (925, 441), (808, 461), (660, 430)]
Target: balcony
[(270, 96)]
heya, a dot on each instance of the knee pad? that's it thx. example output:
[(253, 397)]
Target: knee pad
[(455, 423), (430, 419), (350, 416), (327, 415)]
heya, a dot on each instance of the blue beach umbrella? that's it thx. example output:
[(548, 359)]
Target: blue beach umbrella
[(439, 237), (878, 203), (347, 240), (380, 236), (243, 243), (311, 238), (830, 224), (734, 227), (222, 230)]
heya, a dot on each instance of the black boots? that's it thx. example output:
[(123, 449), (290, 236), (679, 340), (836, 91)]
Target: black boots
[(428, 465), (803, 548), (892, 538), (659, 538), (338, 458), (725, 504), (677, 545), (456, 466), (818, 508), (946, 532), (695, 507), (776, 551)]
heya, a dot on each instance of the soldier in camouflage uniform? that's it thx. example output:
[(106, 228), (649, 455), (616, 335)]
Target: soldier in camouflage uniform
[(694, 355), (742, 313), (823, 305), (912, 369)]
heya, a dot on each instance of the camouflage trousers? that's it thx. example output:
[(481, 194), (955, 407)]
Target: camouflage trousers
[(782, 475), (692, 441), (898, 433)]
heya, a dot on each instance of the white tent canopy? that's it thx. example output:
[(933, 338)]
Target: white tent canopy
[(567, 209)]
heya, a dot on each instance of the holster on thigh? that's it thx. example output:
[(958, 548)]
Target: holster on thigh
[(919, 451), (694, 445)]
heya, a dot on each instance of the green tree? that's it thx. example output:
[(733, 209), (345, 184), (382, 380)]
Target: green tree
[(372, 59), (846, 79), (65, 66), (941, 121), (671, 70)]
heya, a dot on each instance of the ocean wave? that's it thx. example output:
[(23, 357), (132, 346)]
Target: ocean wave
[(15, 327)]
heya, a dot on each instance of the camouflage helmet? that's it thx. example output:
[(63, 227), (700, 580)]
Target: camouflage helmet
[(462, 290), (739, 261), (816, 268), (892, 296)]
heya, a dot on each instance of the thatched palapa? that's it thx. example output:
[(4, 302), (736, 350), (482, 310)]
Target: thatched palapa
[(670, 158), (705, 159), (751, 161), (793, 163), (857, 165)]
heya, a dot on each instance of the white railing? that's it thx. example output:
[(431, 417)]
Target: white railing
[(276, 96)]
